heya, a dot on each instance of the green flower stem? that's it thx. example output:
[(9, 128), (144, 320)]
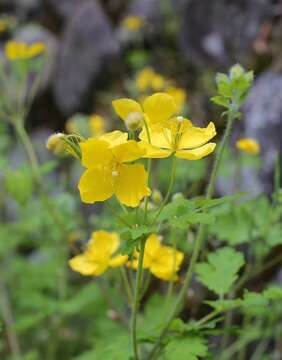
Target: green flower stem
[(136, 301), (8, 319), (21, 132), (199, 239), (170, 187), (35, 168), (126, 284), (207, 317)]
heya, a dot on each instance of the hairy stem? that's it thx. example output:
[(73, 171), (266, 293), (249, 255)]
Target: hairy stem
[(136, 301)]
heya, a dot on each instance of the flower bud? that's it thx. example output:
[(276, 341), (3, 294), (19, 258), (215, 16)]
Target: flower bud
[(56, 144), (134, 121), (157, 196), (177, 196)]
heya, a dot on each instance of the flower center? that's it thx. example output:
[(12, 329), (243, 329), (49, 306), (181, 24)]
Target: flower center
[(114, 173)]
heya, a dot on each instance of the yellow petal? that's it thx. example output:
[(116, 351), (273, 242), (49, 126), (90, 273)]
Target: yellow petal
[(124, 107), (179, 96), (15, 50), (114, 138), (196, 154), (159, 107), (131, 184), (193, 137), (103, 242), (84, 266), (128, 151), (154, 151), (35, 49), (152, 247), (160, 136), (96, 185), (118, 260), (95, 153), (167, 264)]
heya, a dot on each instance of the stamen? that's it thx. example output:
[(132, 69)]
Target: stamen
[(114, 173), (180, 118)]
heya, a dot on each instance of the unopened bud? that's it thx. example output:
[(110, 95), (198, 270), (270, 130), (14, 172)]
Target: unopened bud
[(134, 121), (177, 196), (56, 144), (157, 196)]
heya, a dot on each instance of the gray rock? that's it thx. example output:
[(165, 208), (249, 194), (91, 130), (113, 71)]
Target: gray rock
[(87, 45), (147, 9), (263, 121), (220, 32), (66, 8)]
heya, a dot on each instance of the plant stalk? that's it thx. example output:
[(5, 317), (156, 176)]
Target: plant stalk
[(199, 239)]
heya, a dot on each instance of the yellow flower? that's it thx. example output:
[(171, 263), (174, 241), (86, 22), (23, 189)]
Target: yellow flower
[(99, 254), (178, 136), (108, 171), (17, 50), (163, 261), (132, 23), (179, 96), (96, 125), (147, 79), (156, 108), (248, 145)]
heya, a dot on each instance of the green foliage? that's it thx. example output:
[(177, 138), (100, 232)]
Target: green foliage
[(221, 270), (19, 184), (194, 347), (233, 88)]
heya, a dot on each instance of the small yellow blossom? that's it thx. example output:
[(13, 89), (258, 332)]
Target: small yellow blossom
[(17, 50), (108, 172), (179, 96), (133, 23), (180, 137), (156, 108), (163, 261), (100, 254), (148, 79), (248, 145), (96, 125)]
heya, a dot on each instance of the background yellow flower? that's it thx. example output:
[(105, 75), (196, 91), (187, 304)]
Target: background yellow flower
[(99, 254), (248, 145)]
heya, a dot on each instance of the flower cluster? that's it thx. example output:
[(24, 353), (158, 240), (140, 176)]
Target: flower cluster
[(157, 130), (161, 260), (109, 158), (99, 255)]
